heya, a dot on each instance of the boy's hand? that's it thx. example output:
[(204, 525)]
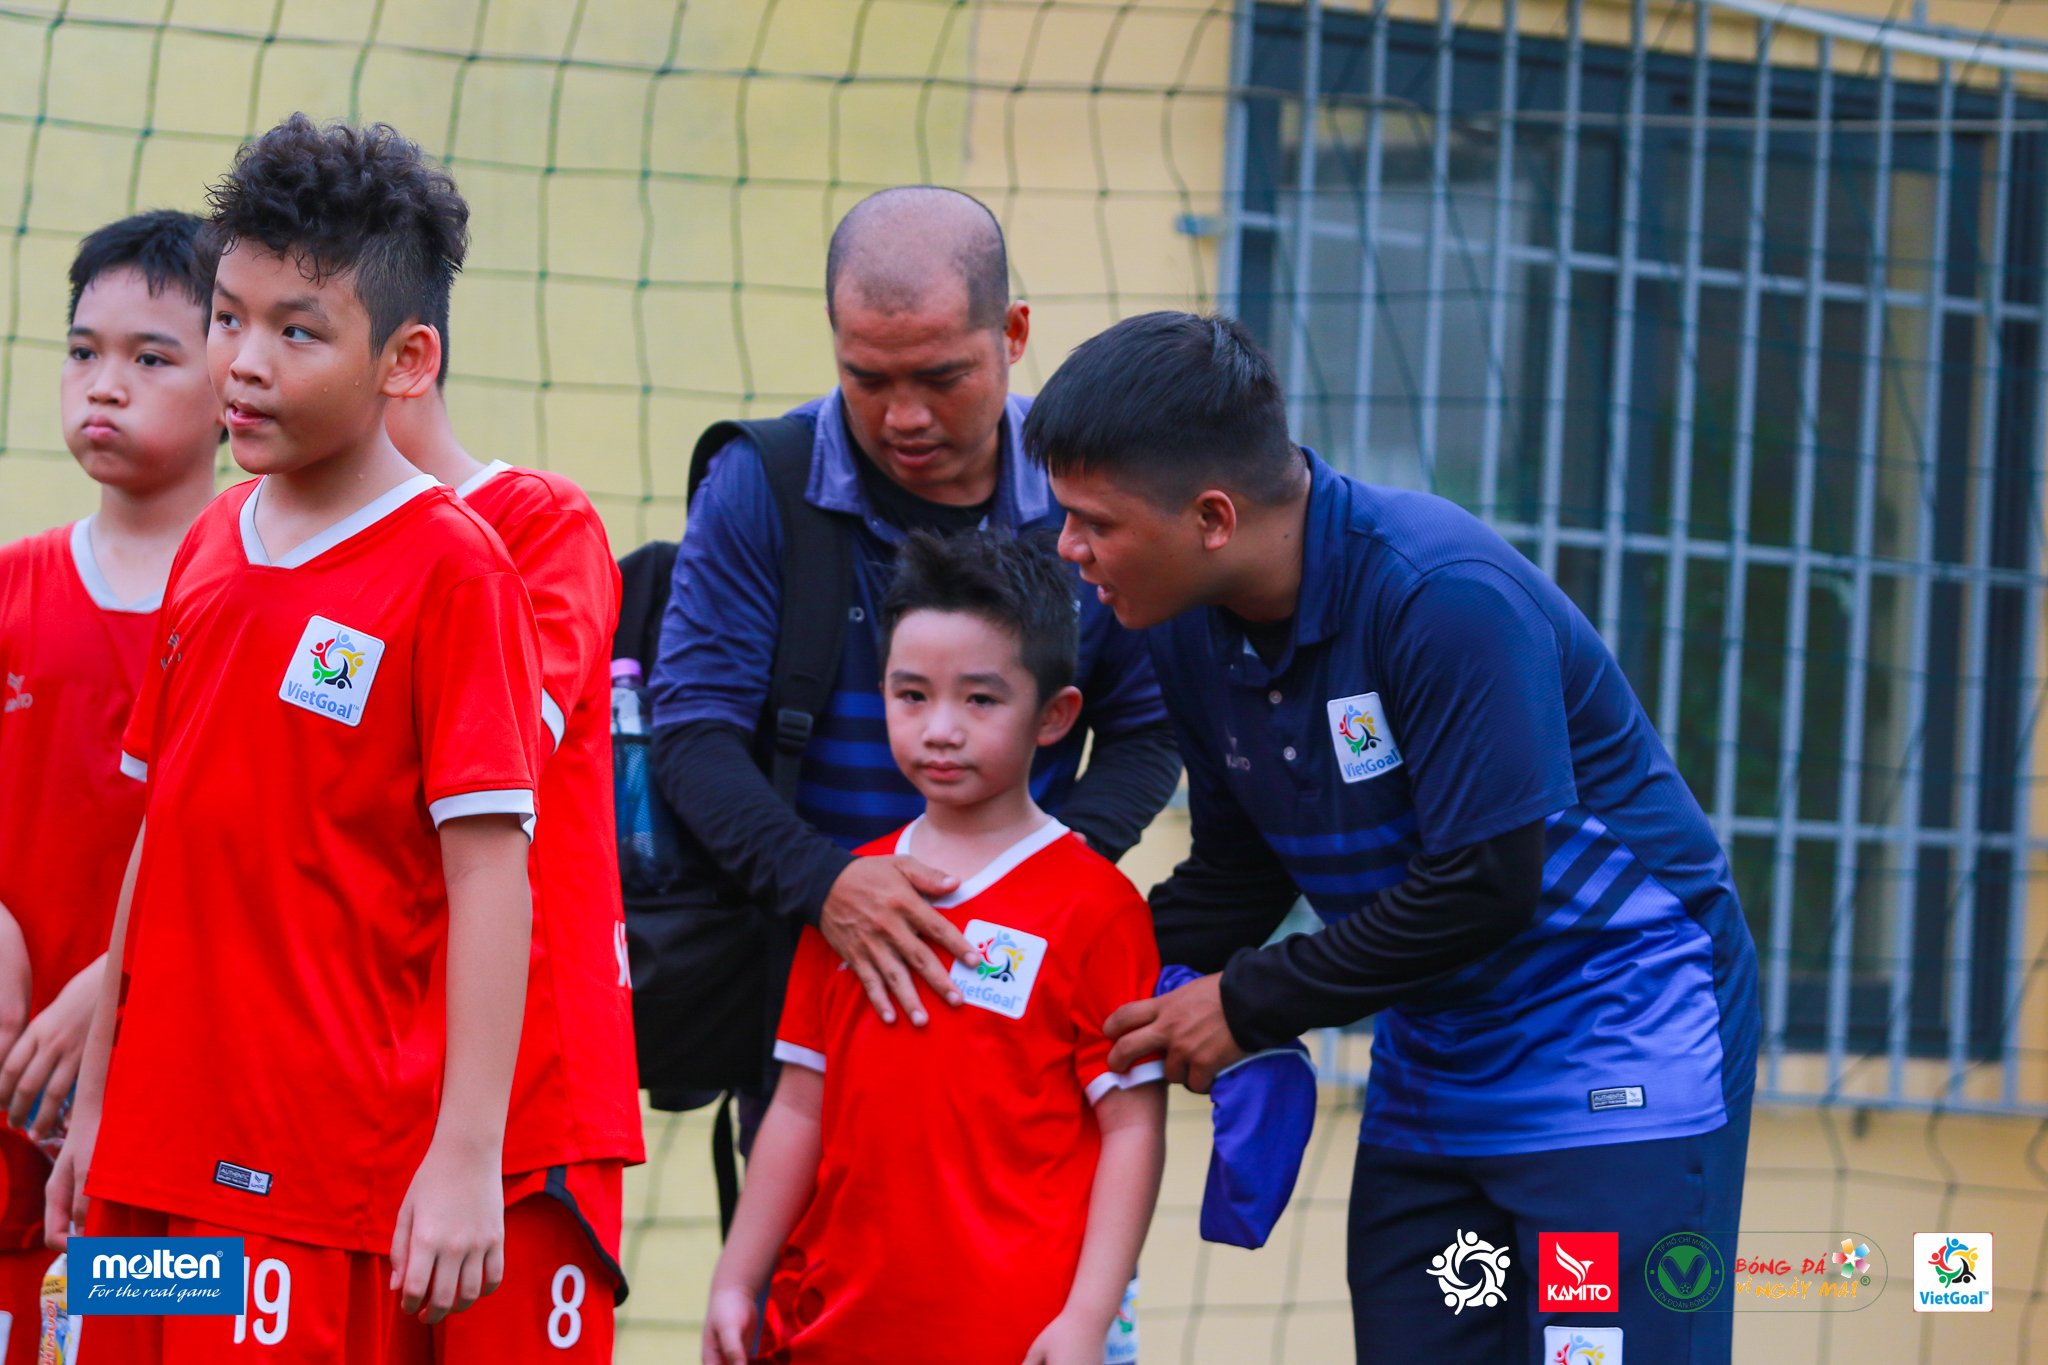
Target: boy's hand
[(878, 917), (44, 1059), (1067, 1340), (729, 1327), (64, 1193), (448, 1250)]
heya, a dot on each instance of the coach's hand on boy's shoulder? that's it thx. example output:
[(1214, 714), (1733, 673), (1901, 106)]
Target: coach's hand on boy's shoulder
[(1187, 1025), (879, 917)]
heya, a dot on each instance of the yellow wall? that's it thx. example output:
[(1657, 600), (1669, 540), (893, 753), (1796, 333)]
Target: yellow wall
[(666, 272)]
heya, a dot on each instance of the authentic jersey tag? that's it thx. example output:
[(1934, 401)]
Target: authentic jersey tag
[(331, 671), (241, 1178), (1615, 1097), (1359, 734), (1009, 962)]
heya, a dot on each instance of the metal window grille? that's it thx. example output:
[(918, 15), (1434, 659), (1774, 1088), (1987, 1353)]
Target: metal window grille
[(1747, 355)]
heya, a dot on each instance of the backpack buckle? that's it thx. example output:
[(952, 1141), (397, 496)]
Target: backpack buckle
[(792, 730)]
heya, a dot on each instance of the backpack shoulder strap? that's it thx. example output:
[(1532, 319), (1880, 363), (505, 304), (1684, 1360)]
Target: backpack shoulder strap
[(644, 577), (817, 579)]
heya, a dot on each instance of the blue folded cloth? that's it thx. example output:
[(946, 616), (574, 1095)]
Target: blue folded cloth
[(1262, 1111)]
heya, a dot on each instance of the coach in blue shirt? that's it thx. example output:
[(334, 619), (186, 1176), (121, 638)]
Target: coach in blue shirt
[(1385, 708), (921, 434)]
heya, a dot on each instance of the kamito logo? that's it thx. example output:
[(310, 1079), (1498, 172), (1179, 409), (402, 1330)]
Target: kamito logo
[(1580, 1271)]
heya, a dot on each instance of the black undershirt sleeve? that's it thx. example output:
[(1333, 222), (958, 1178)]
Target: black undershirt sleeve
[(785, 867), (1455, 908), (1129, 778)]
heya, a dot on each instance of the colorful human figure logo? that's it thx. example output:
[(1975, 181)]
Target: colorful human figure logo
[(1357, 731), (335, 661)]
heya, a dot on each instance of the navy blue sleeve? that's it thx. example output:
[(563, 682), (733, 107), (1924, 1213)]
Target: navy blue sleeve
[(718, 632), (1119, 692), (1475, 696), (1232, 891)]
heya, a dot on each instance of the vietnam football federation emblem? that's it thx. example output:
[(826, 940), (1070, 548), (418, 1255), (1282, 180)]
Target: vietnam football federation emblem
[(1361, 738), (331, 671)]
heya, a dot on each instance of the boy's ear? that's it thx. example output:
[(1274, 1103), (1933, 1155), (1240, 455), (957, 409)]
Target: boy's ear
[(414, 355), (1058, 715)]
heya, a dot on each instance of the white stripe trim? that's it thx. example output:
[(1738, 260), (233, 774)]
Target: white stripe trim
[(1144, 1073), (481, 477), (131, 766), (355, 523), (799, 1056), (96, 585), (552, 717), (507, 801), (999, 867)]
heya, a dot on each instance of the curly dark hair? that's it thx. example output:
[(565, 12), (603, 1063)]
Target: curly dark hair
[(169, 249), (1015, 583), (358, 201)]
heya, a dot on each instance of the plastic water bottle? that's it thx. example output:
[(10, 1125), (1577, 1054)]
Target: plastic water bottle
[(633, 777), (629, 698), (1122, 1346), (58, 1342)]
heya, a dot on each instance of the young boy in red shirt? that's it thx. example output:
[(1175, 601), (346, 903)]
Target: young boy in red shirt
[(574, 1123), (326, 939), (77, 612), (976, 1189)]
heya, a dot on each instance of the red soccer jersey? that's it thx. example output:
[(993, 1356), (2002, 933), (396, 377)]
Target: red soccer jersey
[(958, 1158), (311, 722), (576, 1096), (70, 659)]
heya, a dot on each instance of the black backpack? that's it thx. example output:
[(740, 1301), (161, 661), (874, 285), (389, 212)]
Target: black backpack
[(708, 969)]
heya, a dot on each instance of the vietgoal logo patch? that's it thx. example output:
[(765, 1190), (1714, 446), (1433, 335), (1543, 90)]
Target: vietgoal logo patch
[(331, 671), (1361, 738), (1006, 966)]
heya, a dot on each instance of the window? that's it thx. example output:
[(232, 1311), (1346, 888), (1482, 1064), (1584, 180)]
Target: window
[(1747, 356)]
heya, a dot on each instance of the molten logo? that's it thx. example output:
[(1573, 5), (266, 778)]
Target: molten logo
[(1581, 1271)]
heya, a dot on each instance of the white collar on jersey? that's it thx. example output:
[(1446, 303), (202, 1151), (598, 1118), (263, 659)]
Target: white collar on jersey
[(999, 867), (481, 477), (96, 586), (356, 522)]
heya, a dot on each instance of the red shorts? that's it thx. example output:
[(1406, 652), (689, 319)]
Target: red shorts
[(562, 1279), (23, 1257), (310, 1304), (21, 1299)]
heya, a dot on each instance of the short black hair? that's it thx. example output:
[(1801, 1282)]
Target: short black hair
[(169, 249), (361, 201), (947, 227), (1173, 403), (1015, 583)]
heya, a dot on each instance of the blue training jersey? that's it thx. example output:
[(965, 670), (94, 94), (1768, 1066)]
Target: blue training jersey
[(1439, 691)]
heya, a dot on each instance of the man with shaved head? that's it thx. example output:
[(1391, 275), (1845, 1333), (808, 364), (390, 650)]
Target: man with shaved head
[(921, 434)]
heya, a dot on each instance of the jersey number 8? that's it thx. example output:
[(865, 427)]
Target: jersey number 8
[(565, 1320)]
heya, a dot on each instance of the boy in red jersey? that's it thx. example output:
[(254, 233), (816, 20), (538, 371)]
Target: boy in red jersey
[(325, 943), (574, 1123), (77, 613), (975, 1190)]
